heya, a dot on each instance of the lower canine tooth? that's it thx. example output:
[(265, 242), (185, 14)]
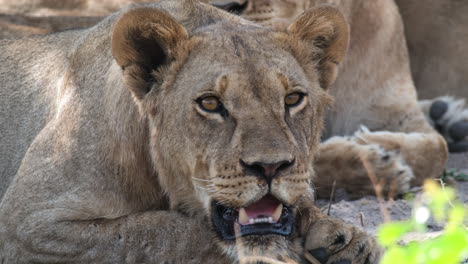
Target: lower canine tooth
[(243, 218), (277, 213)]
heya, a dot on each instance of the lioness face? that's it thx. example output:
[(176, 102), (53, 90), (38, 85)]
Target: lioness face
[(235, 113), (247, 120)]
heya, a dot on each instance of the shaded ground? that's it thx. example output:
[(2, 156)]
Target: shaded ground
[(350, 211), (459, 161)]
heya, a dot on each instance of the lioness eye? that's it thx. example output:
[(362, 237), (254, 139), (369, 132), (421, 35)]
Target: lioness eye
[(210, 104), (293, 99)]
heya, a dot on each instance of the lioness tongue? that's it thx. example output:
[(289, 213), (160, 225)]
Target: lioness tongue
[(266, 210)]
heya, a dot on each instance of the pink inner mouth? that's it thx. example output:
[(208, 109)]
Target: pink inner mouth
[(264, 207), (266, 210)]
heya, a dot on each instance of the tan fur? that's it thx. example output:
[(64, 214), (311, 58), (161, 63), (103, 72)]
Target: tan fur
[(36, 17), (115, 162), (436, 35), (64, 7), (17, 26)]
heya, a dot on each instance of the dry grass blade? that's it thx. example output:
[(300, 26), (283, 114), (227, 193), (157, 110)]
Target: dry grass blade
[(378, 189), (332, 197), (363, 219)]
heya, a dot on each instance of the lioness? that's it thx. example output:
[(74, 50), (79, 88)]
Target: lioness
[(172, 133)]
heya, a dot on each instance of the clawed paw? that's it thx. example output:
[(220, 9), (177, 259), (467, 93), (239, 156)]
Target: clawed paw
[(449, 116), (387, 167), (331, 241)]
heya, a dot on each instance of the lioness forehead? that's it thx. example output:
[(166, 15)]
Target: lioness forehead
[(252, 53)]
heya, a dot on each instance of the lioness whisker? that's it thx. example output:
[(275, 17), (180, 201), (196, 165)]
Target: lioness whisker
[(205, 189), (198, 179)]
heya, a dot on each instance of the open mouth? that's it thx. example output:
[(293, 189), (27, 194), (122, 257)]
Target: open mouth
[(268, 216)]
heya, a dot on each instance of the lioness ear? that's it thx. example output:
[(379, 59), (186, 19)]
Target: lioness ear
[(327, 30), (143, 40)]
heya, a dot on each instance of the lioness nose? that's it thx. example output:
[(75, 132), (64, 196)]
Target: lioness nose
[(267, 171), (233, 7)]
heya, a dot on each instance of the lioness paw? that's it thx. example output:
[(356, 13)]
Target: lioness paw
[(330, 241), (386, 167), (449, 116)]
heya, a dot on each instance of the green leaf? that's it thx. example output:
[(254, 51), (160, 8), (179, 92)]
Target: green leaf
[(450, 248), (389, 234), (456, 217), (439, 199), (398, 254), (394, 255)]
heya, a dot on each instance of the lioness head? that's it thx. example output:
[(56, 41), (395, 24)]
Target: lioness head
[(235, 111)]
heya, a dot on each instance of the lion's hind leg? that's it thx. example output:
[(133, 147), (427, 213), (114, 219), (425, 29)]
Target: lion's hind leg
[(449, 116), (398, 127)]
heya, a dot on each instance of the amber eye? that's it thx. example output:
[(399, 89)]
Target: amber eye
[(293, 99), (210, 104)]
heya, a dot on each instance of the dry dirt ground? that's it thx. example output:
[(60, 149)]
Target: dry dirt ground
[(400, 209)]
